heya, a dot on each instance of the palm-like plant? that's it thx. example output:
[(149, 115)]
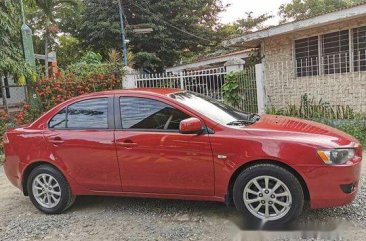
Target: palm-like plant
[(49, 9)]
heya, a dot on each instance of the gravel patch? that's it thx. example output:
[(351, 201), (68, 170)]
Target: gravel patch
[(114, 218)]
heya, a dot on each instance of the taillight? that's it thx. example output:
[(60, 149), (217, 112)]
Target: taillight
[(5, 139)]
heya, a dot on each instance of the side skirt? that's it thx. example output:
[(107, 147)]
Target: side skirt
[(156, 195)]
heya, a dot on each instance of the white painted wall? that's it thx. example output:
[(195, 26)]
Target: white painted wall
[(261, 95)]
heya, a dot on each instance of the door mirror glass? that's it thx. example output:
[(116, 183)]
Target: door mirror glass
[(190, 126)]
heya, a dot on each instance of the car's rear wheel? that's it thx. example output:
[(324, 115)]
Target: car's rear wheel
[(48, 190), (269, 194)]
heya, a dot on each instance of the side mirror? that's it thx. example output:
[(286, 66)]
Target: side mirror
[(190, 126)]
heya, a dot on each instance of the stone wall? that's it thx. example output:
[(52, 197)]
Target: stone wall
[(283, 87)]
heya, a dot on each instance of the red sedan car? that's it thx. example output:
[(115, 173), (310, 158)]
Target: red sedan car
[(168, 143)]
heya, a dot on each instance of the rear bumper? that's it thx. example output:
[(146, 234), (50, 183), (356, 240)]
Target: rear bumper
[(332, 186), (12, 171)]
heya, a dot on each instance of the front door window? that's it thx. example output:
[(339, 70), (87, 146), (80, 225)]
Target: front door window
[(148, 114)]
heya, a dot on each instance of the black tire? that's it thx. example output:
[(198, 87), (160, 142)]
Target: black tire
[(279, 173), (66, 198)]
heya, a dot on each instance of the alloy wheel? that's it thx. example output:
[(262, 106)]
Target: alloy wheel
[(46, 190), (267, 198)]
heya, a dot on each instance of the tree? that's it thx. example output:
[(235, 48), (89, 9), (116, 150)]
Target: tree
[(250, 23), (69, 18), (300, 9), (11, 54), (45, 12), (180, 28), (68, 51), (244, 25), (100, 28)]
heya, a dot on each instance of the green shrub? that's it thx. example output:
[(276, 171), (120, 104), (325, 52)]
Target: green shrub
[(358, 130), (239, 90), (231, 89), (310, 108), (91, 64)]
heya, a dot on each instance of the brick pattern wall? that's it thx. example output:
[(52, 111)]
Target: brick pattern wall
[(283, 87)]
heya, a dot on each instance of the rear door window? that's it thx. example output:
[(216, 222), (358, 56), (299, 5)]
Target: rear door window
[(59, 120), (86, 114)]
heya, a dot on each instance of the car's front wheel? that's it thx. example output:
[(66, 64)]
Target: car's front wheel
[(269, 194), (48, 190)]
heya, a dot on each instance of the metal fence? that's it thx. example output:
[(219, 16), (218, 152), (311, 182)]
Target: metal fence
[(208, 82), (12, 97), (247, 90)]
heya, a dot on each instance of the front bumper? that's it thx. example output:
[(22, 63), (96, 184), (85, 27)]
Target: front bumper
[(332, 186)]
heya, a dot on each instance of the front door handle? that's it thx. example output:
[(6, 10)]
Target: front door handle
[(127, 143)]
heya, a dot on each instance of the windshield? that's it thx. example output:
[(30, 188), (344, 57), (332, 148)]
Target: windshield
[(213, 109)]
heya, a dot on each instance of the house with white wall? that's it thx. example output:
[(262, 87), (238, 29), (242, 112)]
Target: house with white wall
[(323, 56)]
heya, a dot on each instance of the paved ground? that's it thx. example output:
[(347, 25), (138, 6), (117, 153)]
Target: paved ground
[(111, 218)]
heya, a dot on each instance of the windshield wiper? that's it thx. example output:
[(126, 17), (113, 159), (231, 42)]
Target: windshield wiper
[(240, 122), (253, 118)]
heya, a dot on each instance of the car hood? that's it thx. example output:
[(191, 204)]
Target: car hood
[(303, 130)]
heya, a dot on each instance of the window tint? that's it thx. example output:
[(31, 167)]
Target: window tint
[(142, 113), (59, 120), (88, 114)]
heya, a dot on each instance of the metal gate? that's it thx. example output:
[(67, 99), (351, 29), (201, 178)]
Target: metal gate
[(208, 82), (11, 95)]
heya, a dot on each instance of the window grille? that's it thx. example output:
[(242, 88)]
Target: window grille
[(335, 52), (359, 49), (306, 54)]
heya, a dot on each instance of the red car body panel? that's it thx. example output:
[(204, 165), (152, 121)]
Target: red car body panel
[(89, 156), (183, 166), (166, 163)]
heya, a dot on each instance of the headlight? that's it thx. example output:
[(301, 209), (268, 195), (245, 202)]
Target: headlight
[(336, 156)]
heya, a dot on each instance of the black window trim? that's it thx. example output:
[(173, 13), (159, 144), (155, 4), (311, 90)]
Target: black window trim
[(118, 114), (110, 113)]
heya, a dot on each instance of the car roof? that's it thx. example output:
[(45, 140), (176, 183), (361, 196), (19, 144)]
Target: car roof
[(155, 91)]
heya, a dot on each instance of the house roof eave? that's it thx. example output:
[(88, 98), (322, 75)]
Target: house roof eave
[(318, 21)]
